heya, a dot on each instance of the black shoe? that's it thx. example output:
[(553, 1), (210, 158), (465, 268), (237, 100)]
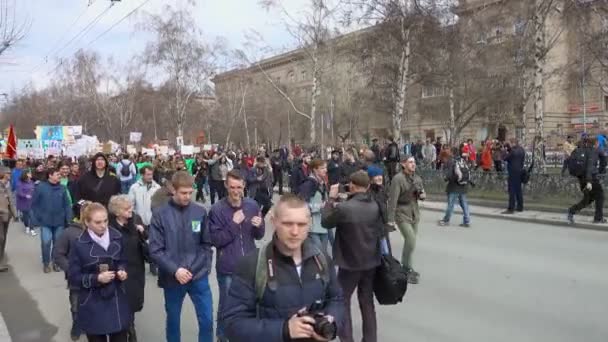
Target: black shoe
[(570, 218), (520, 210), (132, 334), (508, 212), (465, 225), (3, 268), (56, 268), (75, 332), (600, 221)]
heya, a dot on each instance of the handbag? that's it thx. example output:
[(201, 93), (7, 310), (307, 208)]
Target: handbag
[(390, 280)]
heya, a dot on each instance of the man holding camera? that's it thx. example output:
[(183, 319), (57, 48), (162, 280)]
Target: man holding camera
[(359, 227), (405, 191), (287, 290)]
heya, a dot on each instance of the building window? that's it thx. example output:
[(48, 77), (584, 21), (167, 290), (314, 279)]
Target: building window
[(291, 76), (303, 75), (519, 26), (432, 91)]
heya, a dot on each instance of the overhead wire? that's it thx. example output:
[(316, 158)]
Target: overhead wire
[(118, 22)]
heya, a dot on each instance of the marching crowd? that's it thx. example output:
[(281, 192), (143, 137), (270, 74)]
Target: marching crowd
[(102, 219)]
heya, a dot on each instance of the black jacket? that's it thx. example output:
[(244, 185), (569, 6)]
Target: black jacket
[(515, 158), (453, 186), (92, 188), (135, 251), (288, 295), (348, 169), (334, 171), (298, 176), (61, 250), (359, 227), (392, 152)]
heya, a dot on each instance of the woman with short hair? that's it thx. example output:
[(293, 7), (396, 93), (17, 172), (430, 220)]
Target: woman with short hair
[(97, 267), (134, 238)]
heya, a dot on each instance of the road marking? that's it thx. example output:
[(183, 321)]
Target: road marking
[(4, 335)]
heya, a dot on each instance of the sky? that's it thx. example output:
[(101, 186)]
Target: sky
[(56, 22)]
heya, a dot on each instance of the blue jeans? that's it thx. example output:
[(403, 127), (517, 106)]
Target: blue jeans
[(200, 294), (223, 283), (126, 185), (26, 218), (462, 199), (48, 237)]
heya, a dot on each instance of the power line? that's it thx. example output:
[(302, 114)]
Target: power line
[(118, 22)]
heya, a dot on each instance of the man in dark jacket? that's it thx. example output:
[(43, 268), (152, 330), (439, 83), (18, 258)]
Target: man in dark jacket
[(296, 277), (234, 224), (180, 245), (299, 174), (359, 228), (349, 167), (334, 168), (52, 212), (377, 151), (589, 183), (515, 157), (457, 187), (98, 185), (259, 182), (277, 170), (392, 158)]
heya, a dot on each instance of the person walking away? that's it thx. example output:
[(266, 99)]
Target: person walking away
[(429, 154), (141, 194), (61, 254), (457, 173), (497, 154), (97, 185), (97, 267), (515, 157), (271, 286), (567, 148), (392, 158), (277, 171), (259, 181), (585, 168), (52, 212), (24, 197), (135, 251), (8, 211), (314, 192), (235, 223), (438, 148), (377, 151), (359, 228), (181, 247), (405, 191), (299, 174), (126, 171)]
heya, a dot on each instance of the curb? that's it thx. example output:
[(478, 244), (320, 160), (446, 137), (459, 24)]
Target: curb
[(514, 217)]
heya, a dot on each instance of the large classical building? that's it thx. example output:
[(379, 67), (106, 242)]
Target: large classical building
[(353, 105)]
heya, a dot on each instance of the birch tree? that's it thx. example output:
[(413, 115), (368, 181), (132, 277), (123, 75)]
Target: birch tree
[(14, 25)]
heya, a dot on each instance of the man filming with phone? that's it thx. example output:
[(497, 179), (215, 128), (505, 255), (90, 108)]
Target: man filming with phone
[(287, 290)]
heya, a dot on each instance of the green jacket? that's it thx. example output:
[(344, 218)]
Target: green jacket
[(403, 198)]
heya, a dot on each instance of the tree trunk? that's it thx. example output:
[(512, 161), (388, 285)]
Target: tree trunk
[(539, 65), (452, 129), (400, 111), (313, 102)]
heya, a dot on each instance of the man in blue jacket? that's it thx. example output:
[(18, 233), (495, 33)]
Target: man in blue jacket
[(52, 211), (181, 247), (234, 225), (515, 157), (268, 298)]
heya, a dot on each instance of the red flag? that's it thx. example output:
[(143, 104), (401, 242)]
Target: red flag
[(11, 145)]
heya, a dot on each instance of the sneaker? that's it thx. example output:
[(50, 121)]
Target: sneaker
[(75, 332), (28, 231), (600, 221), (33, 232), (47, 269), (443, 223), (570, 218), (465, 225), (56, 268), (413, 277)]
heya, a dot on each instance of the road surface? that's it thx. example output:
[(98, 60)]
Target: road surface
[(498, 281)]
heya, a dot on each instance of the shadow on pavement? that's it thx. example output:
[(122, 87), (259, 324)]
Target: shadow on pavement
[(21, 314)]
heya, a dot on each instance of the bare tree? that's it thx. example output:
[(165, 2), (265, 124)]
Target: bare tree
[(13, 28)]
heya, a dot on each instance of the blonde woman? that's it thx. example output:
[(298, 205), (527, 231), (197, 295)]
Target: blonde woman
[(97, 267), (134, 238)]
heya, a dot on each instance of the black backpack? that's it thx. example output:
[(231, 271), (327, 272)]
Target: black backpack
[(125, 170), (463, 166), (577, 164)]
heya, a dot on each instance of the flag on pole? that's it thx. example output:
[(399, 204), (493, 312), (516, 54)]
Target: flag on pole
[(11, 143)]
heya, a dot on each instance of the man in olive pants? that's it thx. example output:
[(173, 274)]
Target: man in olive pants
[(405, 191)]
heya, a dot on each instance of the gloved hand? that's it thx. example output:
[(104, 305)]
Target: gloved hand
[(588, 187)]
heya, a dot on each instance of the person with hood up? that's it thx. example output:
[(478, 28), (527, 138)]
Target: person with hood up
[(61, 254), (52, 212), (98, 185)]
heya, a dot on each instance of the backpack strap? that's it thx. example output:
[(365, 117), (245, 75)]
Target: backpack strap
[(261, 272)]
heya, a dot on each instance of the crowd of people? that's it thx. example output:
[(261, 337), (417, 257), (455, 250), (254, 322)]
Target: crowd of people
[(101, 219)]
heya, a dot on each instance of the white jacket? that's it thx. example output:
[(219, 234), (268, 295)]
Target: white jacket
[(141, 195)]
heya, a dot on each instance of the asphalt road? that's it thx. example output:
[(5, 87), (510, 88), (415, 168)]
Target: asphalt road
[(498, 281)]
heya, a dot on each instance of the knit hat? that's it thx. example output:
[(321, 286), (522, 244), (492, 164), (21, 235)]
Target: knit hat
[(373, 171)]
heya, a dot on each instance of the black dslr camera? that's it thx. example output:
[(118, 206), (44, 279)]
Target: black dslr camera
[(322, 326)]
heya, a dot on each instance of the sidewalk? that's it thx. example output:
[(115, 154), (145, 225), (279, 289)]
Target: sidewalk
[(530, 216)]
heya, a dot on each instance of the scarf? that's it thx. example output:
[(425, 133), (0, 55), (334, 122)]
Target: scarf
[(103, 240)]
